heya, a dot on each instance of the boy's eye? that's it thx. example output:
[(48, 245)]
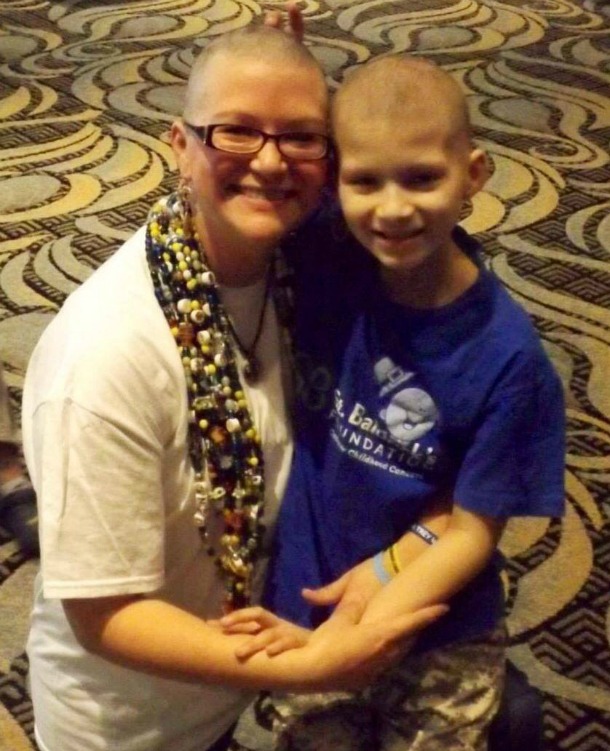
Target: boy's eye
[(357, 180), (422, 179)]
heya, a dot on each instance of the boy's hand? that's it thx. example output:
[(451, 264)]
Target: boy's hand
[(350, 655), (271, 634), (354, 589), (294, 23)]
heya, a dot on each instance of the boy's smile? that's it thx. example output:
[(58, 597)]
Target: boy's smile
[(402, 185)]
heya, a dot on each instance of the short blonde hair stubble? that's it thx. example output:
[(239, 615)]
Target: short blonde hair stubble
[(398, 86), (252, 42)]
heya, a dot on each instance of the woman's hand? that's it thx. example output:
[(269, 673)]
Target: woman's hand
[(270, 633), (341, 654)]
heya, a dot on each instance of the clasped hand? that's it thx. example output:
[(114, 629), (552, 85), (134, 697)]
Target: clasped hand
[(358, 649), (350, 594)]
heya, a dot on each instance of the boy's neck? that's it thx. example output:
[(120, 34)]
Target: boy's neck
[(432, 285)]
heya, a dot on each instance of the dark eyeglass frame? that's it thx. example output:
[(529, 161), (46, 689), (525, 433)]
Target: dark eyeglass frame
[(205, 133)]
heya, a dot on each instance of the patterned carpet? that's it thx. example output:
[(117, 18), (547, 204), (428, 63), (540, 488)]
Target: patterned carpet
[(87, 90)]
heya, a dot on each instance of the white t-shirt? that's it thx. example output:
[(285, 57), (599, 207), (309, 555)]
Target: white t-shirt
[(104, 430)]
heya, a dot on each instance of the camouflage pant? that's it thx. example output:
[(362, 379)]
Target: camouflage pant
[(440, 700)]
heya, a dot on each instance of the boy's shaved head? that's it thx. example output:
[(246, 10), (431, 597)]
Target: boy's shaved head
[(406, 167), (401, 87), (253, 42)]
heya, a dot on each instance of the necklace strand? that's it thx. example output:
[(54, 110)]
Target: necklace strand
[(224, 445)]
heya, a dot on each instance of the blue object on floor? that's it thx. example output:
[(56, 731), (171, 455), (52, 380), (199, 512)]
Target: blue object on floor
[(518, 724), (18, 515)]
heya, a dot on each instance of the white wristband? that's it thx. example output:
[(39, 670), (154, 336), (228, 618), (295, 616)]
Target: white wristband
[(426, 534)]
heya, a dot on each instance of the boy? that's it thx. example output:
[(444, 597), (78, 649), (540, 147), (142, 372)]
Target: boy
[(432, 381)]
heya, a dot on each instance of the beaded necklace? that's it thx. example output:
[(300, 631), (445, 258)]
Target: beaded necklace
[(224, 445)]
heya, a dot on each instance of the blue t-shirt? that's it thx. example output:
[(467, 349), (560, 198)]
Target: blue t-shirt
[(395, 404)]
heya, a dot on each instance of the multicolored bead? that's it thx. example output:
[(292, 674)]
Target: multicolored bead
[(223, 442)]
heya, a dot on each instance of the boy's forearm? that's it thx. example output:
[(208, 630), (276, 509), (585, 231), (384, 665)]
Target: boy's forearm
[(440, 571), (410, 546)]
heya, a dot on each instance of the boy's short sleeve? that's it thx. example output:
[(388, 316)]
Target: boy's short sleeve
[(515, 465)]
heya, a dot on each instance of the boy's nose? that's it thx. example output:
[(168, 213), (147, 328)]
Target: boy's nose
[(395, 203)]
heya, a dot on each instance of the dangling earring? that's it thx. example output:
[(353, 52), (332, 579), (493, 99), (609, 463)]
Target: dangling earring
[(185, 193)]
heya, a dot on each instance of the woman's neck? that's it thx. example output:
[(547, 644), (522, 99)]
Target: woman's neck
[(236, 263)]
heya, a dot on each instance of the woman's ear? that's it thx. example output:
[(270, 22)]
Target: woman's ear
[(179, 143), (478, 171)]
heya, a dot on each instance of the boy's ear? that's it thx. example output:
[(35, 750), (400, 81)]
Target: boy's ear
[(478, 171)]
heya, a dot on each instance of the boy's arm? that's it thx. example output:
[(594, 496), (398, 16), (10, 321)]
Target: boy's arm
[(351, 593), (360, 584), (442, 569)]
